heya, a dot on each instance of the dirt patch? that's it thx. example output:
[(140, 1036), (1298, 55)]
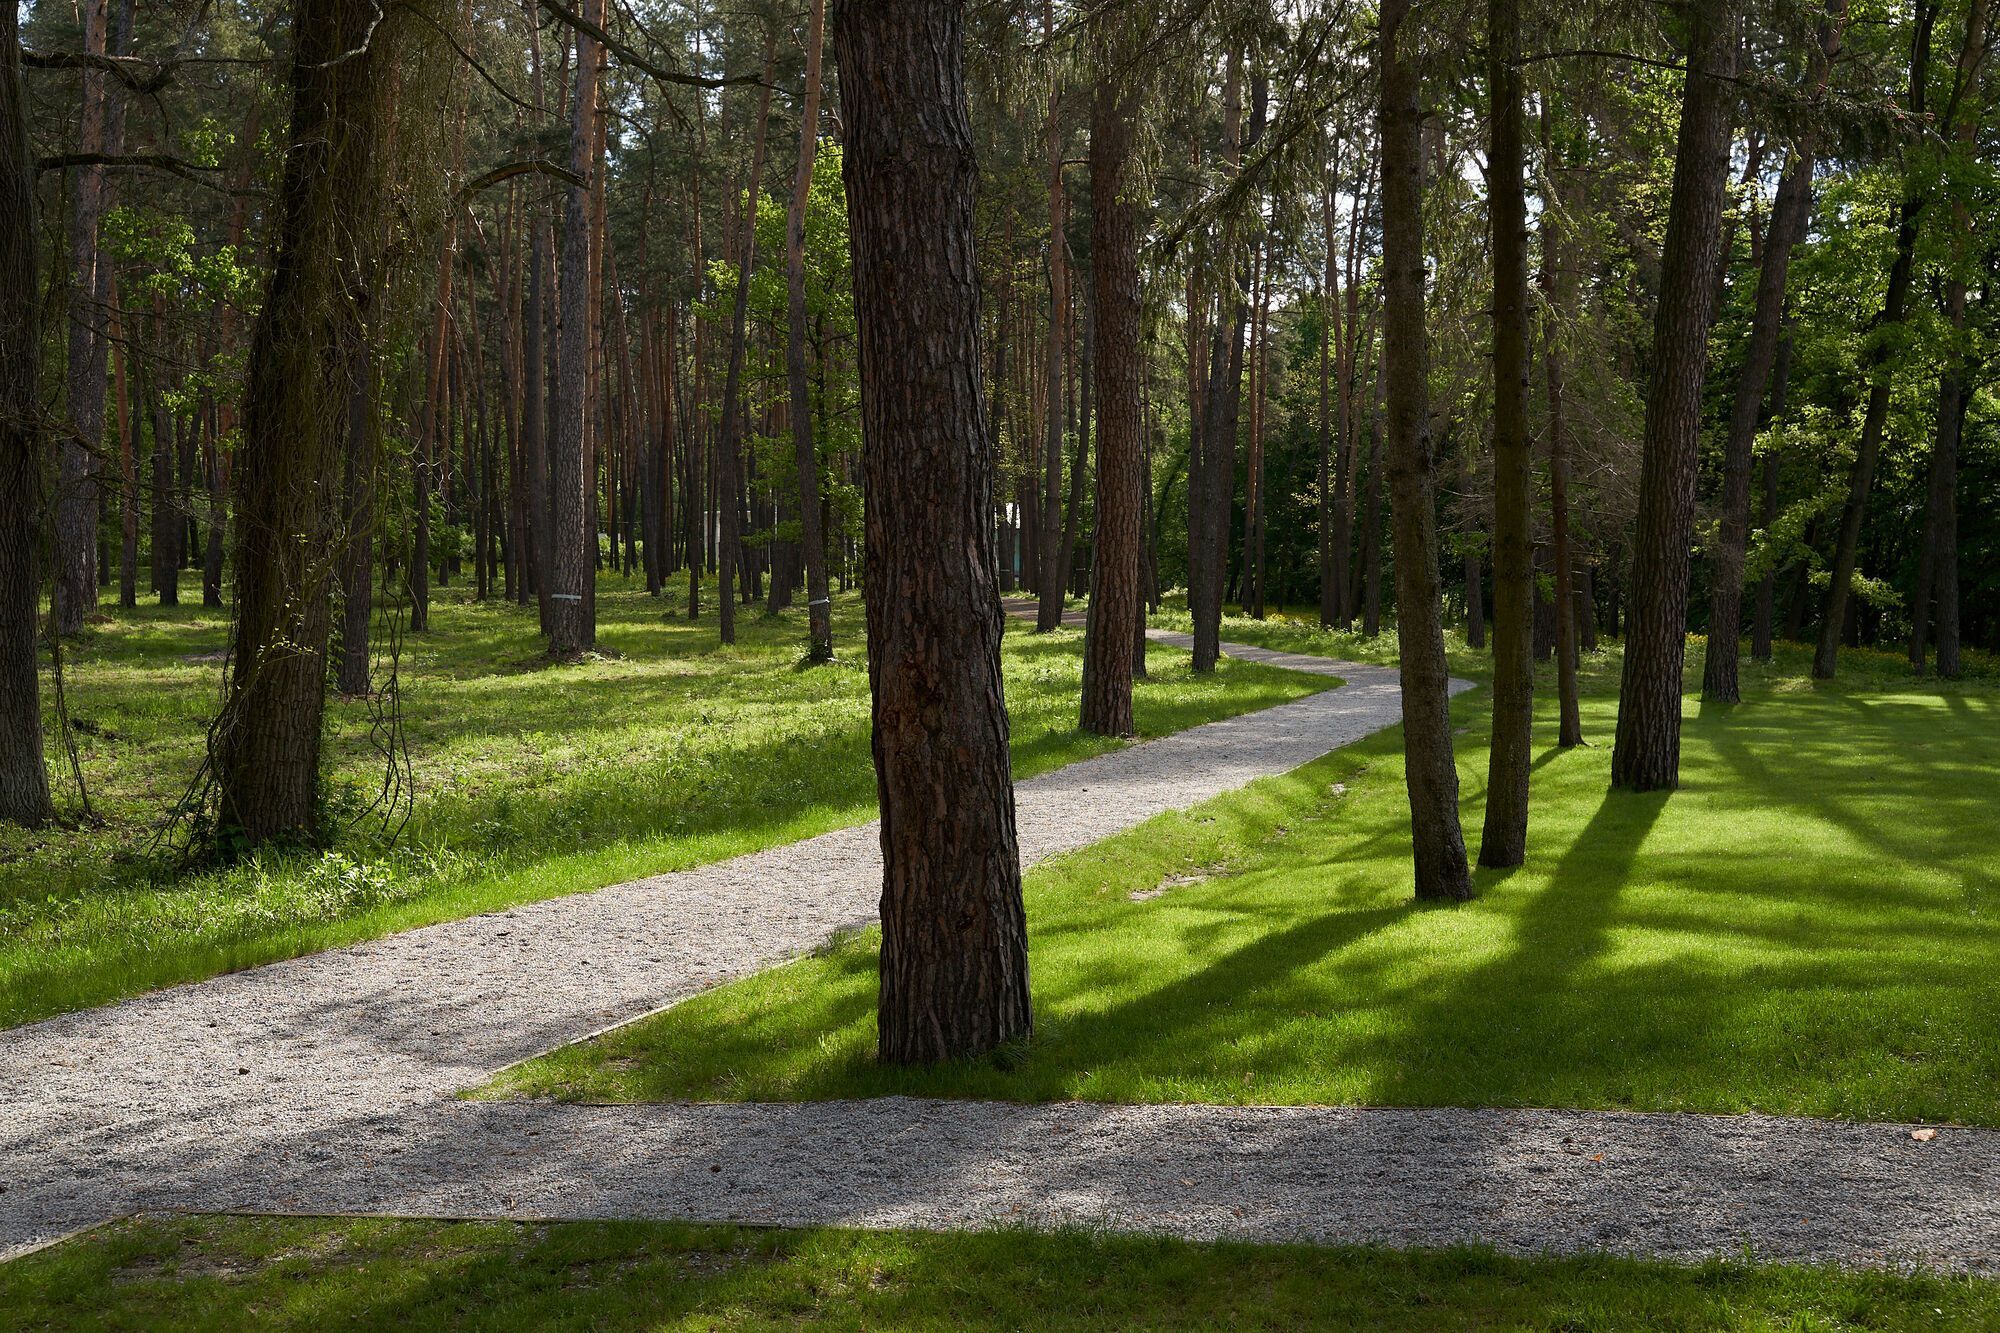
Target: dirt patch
[(1199, 875)]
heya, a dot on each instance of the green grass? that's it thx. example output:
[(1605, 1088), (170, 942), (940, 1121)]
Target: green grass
[(530, 780), (316, 1273), (1808, 926)]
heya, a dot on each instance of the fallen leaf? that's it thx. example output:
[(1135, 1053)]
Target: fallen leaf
[(1923, 1135)]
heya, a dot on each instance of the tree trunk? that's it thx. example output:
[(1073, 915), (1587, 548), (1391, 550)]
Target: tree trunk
[(1329, 595), (1880, 368), (1789, 214), (358, 571), (24, 778), (1115, 606), (1559, 290), (1475, 601), (73, 594), (954, 968), (1049, 577), (1430, 773), (267, 741), (1937, 584), (730, 466), (1767, 587), (166, 506), (571, 539), (1647, 753), (1504, 839), (1371, 533), (812, 534)]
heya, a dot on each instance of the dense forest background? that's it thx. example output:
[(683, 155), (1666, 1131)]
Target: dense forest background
[(613, 244)]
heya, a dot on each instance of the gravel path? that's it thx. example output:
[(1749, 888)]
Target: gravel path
[(324, 1084), (103, 1107)]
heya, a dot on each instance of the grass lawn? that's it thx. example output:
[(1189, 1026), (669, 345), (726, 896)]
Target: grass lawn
[(1809, 926), (314, 1273), (529, 780)]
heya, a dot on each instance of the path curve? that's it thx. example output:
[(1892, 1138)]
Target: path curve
[(264, 1073), (324, 1085)]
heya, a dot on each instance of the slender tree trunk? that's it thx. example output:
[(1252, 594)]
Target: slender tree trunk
[(1329, 594), (24, 778), (1115, 606), (1371, 533), (73, 593), (1646, 756), (572, 540), (1767, 586), (1430, 772), (166, 509), (128, 466), (1051, 577), (1475, 601), (1789, 213), (1504, 839), (954, 968), (358, 572), (1880, 362), (731, 465), (267, 741), (812, 535), (1079, 471), (1937, 585), (1559, 288)]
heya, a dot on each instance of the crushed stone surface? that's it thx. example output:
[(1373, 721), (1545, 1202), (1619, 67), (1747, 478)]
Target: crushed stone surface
[(326, 1084)]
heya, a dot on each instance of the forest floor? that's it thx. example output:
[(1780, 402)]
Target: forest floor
[(1257, 949), (1807, 927), (522, 780), (310, 1274)]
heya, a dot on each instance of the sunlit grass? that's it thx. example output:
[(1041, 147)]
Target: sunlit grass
[(318, 1273), (1810, 925), (530, 780)]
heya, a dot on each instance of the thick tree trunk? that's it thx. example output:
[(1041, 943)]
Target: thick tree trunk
[(572, 539), (954, 971), (1647, 753), (24, 778), (1430, 772), (1115, 606), (1504, 839), (812, 534), (267, 742)]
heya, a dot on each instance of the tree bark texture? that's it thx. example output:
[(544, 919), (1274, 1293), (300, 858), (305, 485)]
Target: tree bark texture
[(1430, 773), (954, 967), (267, 742), (812, 536), (572, 540), (1646, 754)]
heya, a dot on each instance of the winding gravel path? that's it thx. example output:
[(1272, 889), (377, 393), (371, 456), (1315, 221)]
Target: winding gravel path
[(325, 1084)]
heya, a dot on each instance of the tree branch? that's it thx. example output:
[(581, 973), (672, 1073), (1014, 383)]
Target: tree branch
[(630, 57), (509, 170)]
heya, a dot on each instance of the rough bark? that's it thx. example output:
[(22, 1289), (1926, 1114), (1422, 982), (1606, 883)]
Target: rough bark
[(24, 778), (954, 966), (1430, 773), (1646, 754), (267, 742), (1504, 839), (572, 541), (1115, 605)]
